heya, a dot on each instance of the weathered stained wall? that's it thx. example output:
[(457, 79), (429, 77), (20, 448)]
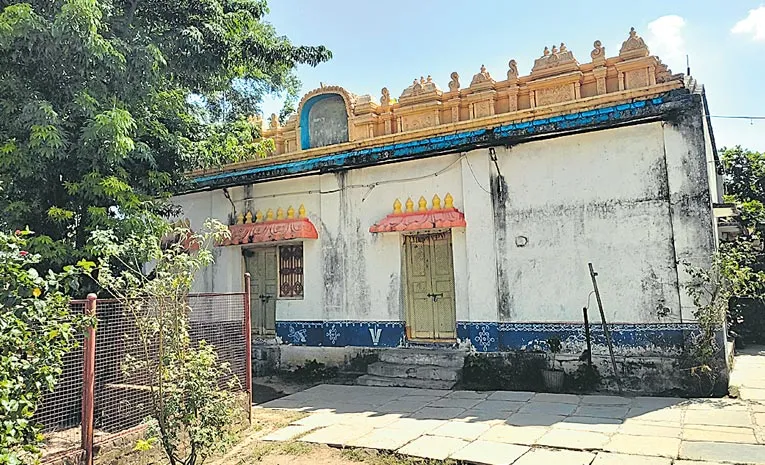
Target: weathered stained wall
[(632, 200)]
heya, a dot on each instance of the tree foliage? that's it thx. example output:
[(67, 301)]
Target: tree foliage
[(104, 104), (191, 414), (36, 330), (745, 186)]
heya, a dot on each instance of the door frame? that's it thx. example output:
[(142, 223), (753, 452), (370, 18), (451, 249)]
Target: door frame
[(405, 285), (252, 247)]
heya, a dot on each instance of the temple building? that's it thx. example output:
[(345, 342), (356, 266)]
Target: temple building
[(465, 217)]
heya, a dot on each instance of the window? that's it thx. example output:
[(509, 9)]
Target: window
[(291, 271)]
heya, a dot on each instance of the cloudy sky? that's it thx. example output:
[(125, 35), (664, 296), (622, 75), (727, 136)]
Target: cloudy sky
[(390, 43)]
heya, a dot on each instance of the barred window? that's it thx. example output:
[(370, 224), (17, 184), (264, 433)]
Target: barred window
[(291, 271)]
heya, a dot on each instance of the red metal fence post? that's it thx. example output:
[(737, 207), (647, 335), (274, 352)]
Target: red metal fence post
[(88, 382), (248, 345)]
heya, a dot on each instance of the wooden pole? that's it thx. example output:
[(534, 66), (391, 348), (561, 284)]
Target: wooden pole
[(606, 332), (248, 345), (88, 382)]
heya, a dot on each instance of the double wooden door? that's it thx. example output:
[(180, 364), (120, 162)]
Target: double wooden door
[(262, 265), (429, 270)]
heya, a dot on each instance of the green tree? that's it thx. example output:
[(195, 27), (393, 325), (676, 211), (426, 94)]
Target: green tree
[(105, 104), (36, 330), (745, 185)]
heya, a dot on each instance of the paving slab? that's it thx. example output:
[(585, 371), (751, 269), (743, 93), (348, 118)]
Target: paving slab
[(517, 396), (454, 402), (483, 416), (752, 393), (759, 418), (552, 408), (524, 435), (284, 403), (414, 425), (719, 434), (336, 435), (571, 439), (640, 428), (534, 419), (429, 392), (716, 404), (433, 447), (695, 462), (287, 433), (373, 421), (561, 398), (718, 417), (605, 400), (609, 458), (557, 457), (490, 453), (437, 413), (658, 402), (643, 445), (499, 405), (401, 406), (664, 415), (611, 411), (461, 429), (723, 452), (385, 438), (480, 395), (598, 425)]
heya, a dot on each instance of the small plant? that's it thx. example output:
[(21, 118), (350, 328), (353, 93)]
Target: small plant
[(311, 371), (554, 345), (585, 378)]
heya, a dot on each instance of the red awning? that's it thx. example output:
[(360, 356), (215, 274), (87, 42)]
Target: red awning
[(270, 231), (419, 220)]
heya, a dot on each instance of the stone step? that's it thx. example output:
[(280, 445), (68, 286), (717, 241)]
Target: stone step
[(394, 370), (381, 381), (449, 358)]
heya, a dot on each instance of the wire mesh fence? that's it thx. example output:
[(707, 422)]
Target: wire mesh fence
[(126, 355)]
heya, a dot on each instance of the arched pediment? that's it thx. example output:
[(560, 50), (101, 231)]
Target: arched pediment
[(325, 115)]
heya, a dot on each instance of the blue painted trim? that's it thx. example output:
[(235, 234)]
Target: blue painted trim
[(627, 338), (305, 133), (440, 144)]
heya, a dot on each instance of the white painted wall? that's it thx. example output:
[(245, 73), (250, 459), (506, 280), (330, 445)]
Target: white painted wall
[(619, 198)]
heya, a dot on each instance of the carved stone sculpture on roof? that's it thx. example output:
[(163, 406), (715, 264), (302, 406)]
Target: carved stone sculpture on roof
[(512, 72), (385, 99), (555, 61), (633, 47), (273, 122), (481, 77), (421, 87), (454, 84), (598, 53), (663, 73)]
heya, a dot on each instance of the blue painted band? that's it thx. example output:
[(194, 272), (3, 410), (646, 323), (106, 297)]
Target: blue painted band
[(627, 338), (450, 142)]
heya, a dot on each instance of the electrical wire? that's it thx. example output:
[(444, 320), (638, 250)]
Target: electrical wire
[(475, 178)]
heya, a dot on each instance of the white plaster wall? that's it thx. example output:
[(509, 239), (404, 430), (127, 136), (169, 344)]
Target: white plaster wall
[(610, 197), (598, 197)]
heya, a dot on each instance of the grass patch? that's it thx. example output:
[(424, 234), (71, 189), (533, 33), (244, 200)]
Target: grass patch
[(375, 457), (262, 449)]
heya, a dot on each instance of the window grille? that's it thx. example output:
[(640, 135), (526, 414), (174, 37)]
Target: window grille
[(291, 271)]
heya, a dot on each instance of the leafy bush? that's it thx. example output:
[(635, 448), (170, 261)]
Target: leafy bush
[(36, 330), (192, 416)]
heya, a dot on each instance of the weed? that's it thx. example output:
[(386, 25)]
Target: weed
[(374, 457), (311, 371)]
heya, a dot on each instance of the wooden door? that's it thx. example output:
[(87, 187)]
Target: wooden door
[(263, 268), (430, 286)]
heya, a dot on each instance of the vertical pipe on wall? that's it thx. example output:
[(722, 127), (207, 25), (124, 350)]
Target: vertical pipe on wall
[(248, 345), (88, 382)]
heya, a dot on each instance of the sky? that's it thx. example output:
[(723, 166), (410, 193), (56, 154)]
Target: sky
[(389, 43)]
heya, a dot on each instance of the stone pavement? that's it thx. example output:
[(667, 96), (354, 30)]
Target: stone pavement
[(526, 428), (747, 380)]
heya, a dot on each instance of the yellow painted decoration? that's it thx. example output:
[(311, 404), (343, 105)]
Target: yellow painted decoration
[(248, 217), (290, 212), (397, 206), (240, 218), (409, 205), (258, 216), (436, 202), (279, 213), (423, 204), (448, 201), (269, 215), (301, 211)]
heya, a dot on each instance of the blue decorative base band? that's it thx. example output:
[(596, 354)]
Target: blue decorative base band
[(341, 333), (627, 338)]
